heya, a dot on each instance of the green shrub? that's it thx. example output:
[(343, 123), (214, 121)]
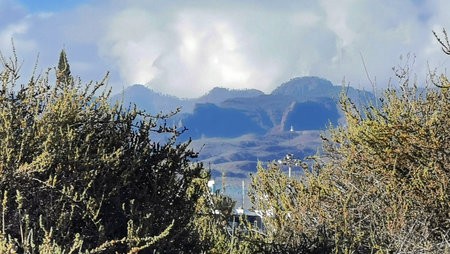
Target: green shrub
[(77, 174)]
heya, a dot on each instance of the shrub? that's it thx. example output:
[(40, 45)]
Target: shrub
[(78, 174), (381, 183)]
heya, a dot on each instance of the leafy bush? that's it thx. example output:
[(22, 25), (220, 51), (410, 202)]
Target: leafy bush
[(77, 174)]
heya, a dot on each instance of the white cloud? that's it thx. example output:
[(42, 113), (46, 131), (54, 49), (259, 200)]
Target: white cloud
[(14, 26), (185, 48)]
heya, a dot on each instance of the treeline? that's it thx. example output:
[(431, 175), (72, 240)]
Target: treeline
[(79, 175)]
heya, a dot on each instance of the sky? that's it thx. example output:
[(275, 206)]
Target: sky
[(185, 48)]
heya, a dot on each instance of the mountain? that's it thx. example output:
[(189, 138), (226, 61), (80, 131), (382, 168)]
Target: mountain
[(233, 129), (310, 115), (151, 101), (154, 102), (219, 94), (311, 88), (211, 120), (267, 110), (307, 88)]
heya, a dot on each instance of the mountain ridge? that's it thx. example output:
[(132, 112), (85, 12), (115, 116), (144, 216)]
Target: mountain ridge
[(235, 128), (312, 99)]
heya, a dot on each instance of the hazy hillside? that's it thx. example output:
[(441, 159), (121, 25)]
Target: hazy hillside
[(155, 102), (151, 101)]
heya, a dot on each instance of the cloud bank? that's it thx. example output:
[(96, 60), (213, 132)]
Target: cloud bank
[(185, 48)]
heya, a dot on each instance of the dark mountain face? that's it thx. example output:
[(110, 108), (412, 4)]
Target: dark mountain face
[(311, 115), (209, 120), (270, 108), (307, 103)]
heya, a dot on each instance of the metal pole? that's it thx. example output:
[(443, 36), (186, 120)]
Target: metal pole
[(243, 193)]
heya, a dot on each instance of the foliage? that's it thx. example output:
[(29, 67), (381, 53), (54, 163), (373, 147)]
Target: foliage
[(292, 216), (380, 185), (390, 172), (222, 231), (77, 174)]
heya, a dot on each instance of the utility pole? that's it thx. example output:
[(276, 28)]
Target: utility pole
[(241, 210), (243, 193)]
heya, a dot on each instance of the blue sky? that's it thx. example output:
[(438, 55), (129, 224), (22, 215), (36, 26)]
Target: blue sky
[(35, 6), (185, 48)]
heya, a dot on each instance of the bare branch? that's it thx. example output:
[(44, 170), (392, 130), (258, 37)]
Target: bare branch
[(444, 42)]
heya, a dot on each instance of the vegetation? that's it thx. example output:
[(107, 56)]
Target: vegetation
[(80, 175), (380, 185)]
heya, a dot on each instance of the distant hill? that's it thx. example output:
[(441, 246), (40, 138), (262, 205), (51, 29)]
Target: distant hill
[(311, 115), (151, 101), (311, 88), (219, 94), (305, 103), (154, 102), (233, 129), (210, 120), (307, 88), (268, 110)]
